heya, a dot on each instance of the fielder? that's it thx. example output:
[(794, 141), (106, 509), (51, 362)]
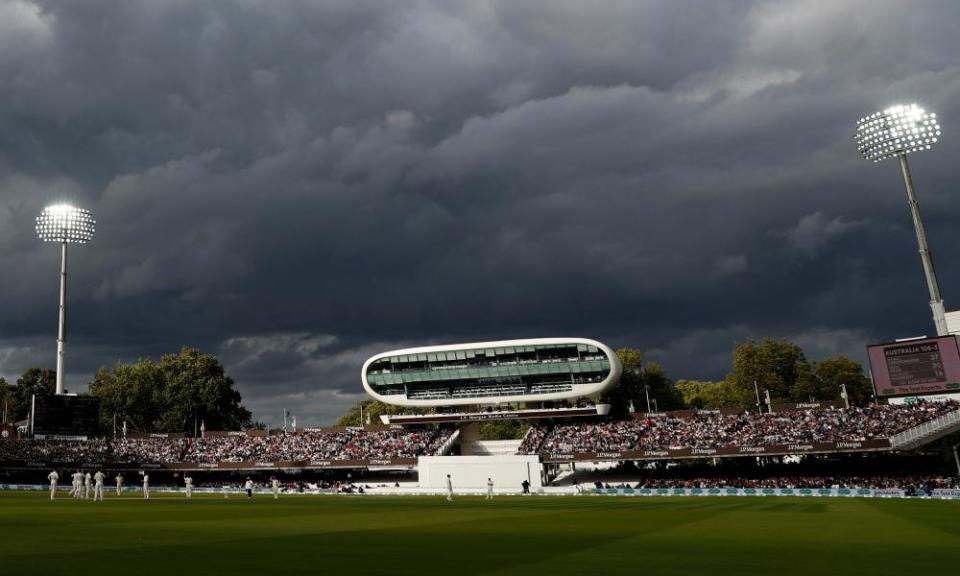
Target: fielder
[(119, 480), (98, 479), (275, 484), (146, 486), (86, 486), (489, 489), (248, 486), (53, 477), (77, 481), (449, 489), (188, 485)]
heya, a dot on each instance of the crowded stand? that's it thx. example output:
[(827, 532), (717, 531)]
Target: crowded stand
[(716, 430), (343, 444), (348, 444), (704, 430), (533, 439), (154, 450), (13, 450), (878, 482)]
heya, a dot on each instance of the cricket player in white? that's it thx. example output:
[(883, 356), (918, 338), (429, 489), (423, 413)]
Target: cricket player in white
[(86, 486), (77, 478), (119, 480), (188, 485), (275, 484), (53, 477), (248, 486), (489, 489), (449, 489), (146, 486), (98, 479)]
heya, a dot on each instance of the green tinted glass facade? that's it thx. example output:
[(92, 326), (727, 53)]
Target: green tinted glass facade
[(485, 372)]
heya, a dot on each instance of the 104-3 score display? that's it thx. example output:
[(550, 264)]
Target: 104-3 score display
[(921, 366)]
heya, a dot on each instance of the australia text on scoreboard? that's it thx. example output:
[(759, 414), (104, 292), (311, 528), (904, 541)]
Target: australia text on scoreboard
[(920, 366)]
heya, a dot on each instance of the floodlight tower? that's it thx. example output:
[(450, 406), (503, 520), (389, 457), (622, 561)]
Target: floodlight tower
[(896, 132), (65, 224)]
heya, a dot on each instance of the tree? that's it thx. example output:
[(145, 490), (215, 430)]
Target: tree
[(778, 366), (6, 401), (503, 430), (663, 391), (42, 382), (172, 395), (831, 374), (711, 395), (372, 410), (131, 393), (198, 389), (638, 377)]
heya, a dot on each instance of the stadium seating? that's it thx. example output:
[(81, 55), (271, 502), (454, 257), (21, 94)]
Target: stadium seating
[(338, 444), (713, 430)]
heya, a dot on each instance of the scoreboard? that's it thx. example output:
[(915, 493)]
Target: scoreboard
[(65, 415), (924, 366)]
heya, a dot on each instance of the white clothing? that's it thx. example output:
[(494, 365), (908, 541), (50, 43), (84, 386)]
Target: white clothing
[(489, 489), (77, 484), (98, 479), (188, 486), (119, 484), (53, 477), (276, 488), (449, 489), (146, 487), (86, 486)]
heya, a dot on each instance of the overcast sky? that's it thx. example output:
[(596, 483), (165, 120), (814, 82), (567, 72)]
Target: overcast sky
[(296, 186)]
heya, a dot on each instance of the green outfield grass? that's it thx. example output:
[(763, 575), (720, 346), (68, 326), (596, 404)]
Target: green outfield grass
[(511, 535)]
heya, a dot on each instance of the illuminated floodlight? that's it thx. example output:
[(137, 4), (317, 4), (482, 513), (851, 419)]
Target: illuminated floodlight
[(65, 224), (896, 132)]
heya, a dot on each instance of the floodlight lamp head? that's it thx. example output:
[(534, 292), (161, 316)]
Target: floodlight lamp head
[(65, 223), (896, 131)]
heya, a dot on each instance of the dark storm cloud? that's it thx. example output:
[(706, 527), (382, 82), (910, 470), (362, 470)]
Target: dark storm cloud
[(298, 185)]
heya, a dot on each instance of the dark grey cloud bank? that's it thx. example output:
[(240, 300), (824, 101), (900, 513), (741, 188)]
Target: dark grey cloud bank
[(297, 185)]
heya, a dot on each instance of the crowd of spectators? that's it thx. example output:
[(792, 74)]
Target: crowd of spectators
[(349, 444), (713, 430), (706, 430), (925, 483), (533, 439), (154, 450), (53, 450)]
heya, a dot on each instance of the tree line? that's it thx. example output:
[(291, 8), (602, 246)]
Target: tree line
[(778, 367), (176, 393)]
